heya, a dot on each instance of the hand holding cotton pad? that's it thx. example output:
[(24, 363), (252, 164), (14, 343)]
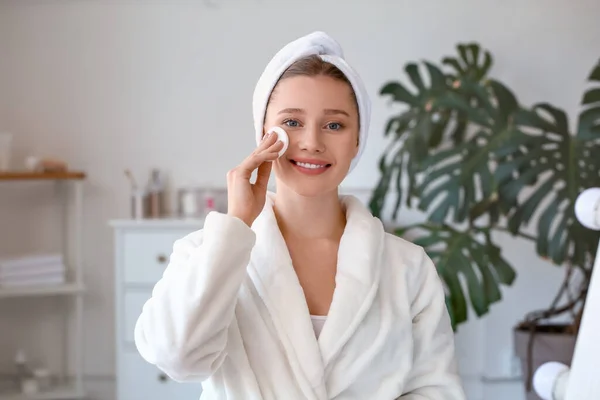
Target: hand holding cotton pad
[(282, 135)]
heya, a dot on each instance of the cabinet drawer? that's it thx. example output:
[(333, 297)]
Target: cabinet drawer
[(133, 301), (146, 254), (141, 380)]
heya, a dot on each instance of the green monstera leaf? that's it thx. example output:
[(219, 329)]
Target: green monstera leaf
[(438, 107), (460, 180), (469, 65), (412, 132), (589, 120), (470, 255), (569, 164)]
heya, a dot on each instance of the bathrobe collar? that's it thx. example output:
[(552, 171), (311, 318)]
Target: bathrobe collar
[(357, 279)]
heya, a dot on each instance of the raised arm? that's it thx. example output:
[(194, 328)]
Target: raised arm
[(183, 327)]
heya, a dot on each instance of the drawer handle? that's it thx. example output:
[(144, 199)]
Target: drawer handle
[(162, 377), (161, 259)]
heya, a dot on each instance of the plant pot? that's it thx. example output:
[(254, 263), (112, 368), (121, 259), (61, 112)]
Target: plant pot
[(550, 343)]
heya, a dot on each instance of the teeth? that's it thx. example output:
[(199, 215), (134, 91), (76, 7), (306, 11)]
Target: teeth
[(307, 165)]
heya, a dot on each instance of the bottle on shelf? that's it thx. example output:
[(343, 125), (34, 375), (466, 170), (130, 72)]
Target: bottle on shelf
[(156, 191), (24, 375), (209, 202)]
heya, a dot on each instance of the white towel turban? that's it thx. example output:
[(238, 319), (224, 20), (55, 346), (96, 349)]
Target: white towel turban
[(316, 43)]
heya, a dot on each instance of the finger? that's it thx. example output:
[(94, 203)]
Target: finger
[(275, 147), (269, 153), (263, 174), (254, 160), (268, 140), (266, 151)]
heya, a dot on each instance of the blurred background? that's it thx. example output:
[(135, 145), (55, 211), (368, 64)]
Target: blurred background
[(163, 89)]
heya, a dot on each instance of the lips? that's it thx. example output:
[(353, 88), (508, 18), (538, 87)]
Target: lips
[(310, 167)]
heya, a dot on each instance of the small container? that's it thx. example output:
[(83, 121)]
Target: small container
[(29, 386), (188, 207), (22, 370), (156, 194), (139, 204), (43, 379), (209, 203), (154, 204), (32, 164), (197, 202)]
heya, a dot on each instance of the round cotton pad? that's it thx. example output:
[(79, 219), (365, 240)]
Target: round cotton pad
[(282, 135)]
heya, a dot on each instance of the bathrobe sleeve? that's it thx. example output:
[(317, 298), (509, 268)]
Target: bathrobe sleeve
[(434, 374), (183, 327)]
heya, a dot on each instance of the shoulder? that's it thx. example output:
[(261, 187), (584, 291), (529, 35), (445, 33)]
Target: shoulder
[(408, 261), (403, 252)]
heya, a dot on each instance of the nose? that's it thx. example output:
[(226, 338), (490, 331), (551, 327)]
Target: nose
[(311, 140)]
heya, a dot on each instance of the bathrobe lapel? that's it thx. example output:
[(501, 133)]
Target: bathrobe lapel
[(273, 274), (357, 277)]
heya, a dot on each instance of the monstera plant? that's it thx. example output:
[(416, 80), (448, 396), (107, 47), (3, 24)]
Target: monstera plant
[(476, 161), (468, 154)]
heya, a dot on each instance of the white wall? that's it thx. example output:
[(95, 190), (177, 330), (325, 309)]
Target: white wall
[(3, 74), (109, 85)]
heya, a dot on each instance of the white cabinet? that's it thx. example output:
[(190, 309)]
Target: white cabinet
[(142, 251)]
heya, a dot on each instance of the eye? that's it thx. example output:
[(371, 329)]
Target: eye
[(292, 123), (334, 126)]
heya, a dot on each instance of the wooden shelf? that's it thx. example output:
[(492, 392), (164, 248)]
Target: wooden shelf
[(40, 176), (40, 290), (71, 288)]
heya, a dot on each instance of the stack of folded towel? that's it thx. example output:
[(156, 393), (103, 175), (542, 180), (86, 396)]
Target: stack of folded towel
[(33, 270)]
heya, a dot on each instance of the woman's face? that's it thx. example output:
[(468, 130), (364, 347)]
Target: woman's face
[(321, 118)]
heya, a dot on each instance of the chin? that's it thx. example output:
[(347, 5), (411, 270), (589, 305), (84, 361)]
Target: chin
[(309, 186), (312, 190)]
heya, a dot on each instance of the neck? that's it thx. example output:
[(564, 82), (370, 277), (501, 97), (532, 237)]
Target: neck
[(315, 217)]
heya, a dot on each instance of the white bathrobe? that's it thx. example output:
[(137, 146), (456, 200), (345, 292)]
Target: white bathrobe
[(230, 312)]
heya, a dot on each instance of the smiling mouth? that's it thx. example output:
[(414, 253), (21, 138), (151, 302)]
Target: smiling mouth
[(310, 165)]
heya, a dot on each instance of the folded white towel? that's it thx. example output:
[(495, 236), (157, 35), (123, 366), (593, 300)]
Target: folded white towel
[(316, 43)]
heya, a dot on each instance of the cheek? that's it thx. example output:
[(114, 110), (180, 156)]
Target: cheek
[(353, 149), (356, 143), (353, 142), (345, 148)]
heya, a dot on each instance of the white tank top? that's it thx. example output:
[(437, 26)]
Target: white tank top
[(318, 321)]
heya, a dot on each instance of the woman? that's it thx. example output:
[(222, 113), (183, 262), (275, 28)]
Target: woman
[(234, 307)]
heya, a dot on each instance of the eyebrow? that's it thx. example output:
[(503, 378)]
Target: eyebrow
[(328, 111)]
